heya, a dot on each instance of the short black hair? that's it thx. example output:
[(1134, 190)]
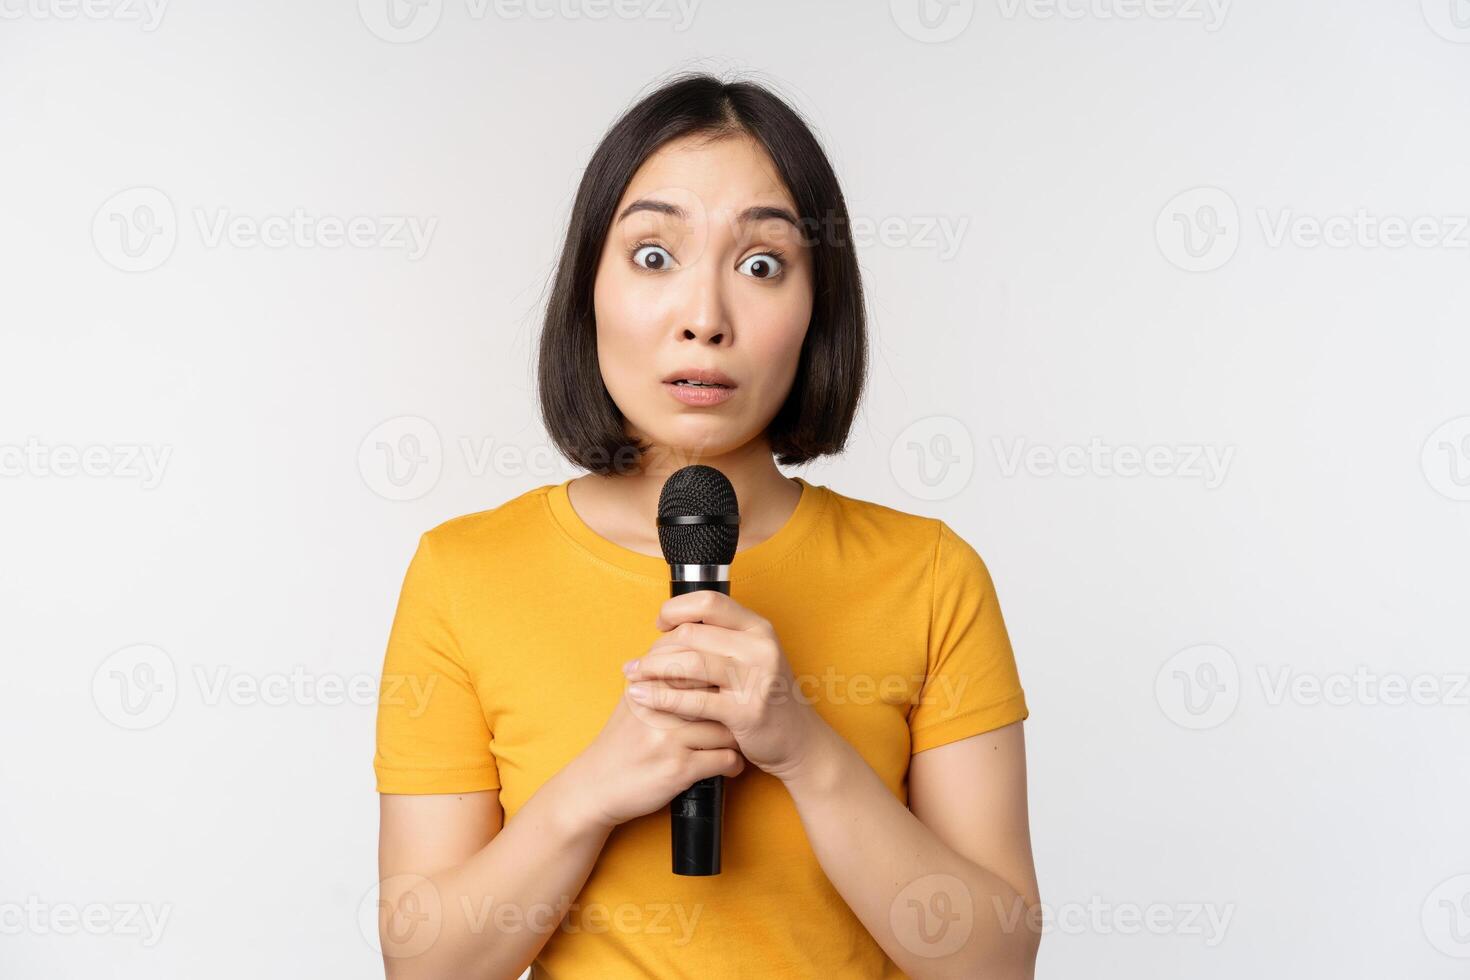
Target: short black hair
[(580, 415)]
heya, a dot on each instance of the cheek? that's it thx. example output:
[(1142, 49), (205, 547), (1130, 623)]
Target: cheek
[(625, 305), (784, 318), (615, 313), (627, 330)]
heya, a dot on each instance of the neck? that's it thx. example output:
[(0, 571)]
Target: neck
[(766, 497)]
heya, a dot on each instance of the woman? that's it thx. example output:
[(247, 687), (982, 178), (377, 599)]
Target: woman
[(857, 689)]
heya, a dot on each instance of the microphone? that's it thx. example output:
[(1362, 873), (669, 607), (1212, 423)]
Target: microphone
[(698, 526)]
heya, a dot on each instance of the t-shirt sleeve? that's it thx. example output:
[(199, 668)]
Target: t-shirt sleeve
[(432, 735), (972, 684)]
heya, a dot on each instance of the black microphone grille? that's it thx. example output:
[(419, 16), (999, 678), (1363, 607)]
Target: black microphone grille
[(698, 491)]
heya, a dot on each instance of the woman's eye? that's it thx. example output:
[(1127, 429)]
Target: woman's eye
[(652, 258), (762, 266)]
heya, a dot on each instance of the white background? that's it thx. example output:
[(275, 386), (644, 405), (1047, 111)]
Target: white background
[(1131, 192)]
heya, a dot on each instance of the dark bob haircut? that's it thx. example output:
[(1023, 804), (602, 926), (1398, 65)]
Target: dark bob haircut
[(580, 416)]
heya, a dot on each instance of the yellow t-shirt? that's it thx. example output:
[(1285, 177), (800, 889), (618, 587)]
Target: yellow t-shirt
[(520, 618)]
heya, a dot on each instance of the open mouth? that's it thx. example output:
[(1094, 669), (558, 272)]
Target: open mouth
[(696, 377), (704, 389)]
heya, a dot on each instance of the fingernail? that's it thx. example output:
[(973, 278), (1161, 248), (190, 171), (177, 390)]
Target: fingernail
[(630, 666), (638, 692)]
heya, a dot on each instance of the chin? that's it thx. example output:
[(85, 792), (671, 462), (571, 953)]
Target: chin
[(704, 438)]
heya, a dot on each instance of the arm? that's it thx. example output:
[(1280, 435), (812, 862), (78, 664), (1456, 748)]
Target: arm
[(952, 874), (462, 896), (448, 869), (947, 888)]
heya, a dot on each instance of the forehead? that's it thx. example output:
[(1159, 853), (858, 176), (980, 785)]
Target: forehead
[(725, 175)]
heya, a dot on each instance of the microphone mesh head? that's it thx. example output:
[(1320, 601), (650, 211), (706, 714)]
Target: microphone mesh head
[(702, 491)]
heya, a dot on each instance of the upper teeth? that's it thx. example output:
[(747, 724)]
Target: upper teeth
[(702, 384)]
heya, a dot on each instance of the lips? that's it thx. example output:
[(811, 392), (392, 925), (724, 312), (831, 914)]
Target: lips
[(705, 376)]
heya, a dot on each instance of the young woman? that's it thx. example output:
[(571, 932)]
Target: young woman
[(857, 689)]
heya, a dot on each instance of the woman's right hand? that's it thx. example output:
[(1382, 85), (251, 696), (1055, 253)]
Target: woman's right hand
[(643, 758)]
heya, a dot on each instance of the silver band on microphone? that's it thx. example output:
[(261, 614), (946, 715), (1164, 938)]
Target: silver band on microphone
[(699, 573)]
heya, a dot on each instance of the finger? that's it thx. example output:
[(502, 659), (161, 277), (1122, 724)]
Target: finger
[(693, 705), (683, 667), (707, 606), (707, 735), (706, 637), (715, 762)]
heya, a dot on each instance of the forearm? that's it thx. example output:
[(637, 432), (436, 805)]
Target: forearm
[(499, 908), (872, 848)]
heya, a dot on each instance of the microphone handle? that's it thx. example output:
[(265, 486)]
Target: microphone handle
[(696, 814)]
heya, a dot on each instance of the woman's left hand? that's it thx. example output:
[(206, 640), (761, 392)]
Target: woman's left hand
[(719, 660)]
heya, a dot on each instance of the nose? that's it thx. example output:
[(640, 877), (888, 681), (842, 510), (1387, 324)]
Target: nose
[(700, 333), (701, 313)]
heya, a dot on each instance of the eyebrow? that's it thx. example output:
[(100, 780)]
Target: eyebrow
[(756, 213)]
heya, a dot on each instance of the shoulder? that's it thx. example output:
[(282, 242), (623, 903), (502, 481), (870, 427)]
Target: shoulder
[(867, 524), (857, 510), (518, 521)]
